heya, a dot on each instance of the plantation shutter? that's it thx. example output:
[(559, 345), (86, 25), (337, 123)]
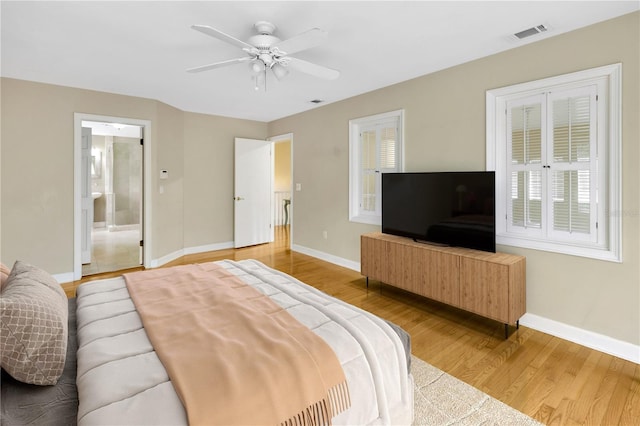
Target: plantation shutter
[(388, 161), (369, 164), (552, 165), (578, 182), (573, 166), (524, 164), (379, 154)]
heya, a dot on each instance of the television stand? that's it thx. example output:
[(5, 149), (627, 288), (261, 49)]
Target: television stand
[(492, 285)]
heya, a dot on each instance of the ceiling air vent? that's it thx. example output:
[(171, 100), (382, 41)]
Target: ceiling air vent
[(531, 31)]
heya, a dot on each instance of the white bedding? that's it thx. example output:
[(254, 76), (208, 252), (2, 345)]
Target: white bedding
[(121, 380)]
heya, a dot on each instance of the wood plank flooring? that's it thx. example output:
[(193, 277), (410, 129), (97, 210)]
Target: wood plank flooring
[(552, 380)]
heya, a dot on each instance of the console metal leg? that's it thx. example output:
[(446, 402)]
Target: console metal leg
[(506, 328)]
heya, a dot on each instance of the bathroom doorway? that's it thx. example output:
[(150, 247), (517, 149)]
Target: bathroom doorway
[(116, 182)]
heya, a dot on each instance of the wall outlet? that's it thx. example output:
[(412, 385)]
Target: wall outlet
[(325, 235)]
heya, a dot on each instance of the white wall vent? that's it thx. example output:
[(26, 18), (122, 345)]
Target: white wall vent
[(531, 31)]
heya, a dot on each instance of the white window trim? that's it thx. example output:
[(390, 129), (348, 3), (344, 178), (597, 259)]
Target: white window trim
[(355, 126), (496, 119)]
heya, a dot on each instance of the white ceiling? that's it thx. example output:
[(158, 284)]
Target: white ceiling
[(142, 48)]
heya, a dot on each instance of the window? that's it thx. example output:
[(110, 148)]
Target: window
[(375, 147), (555, 147)]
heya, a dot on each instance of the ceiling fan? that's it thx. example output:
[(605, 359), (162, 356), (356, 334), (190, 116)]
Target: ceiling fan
[(266, 51)]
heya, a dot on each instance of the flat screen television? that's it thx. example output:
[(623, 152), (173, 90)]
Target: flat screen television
[(445, 208)]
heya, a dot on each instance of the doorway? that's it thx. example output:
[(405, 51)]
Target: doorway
[(113, 181), (282, 186), (262, 190), (116, 188)]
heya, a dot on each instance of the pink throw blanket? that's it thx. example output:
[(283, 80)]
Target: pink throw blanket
[(233, 355)]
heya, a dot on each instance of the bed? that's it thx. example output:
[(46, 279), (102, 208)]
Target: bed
[(120, 379)]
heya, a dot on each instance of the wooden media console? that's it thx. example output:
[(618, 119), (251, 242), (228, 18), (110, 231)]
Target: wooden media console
[(492, 285)]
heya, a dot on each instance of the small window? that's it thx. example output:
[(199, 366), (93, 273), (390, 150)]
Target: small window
[(375, 147), (555, 147)]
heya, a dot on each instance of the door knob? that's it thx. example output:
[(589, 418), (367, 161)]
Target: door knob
[(238, 198)]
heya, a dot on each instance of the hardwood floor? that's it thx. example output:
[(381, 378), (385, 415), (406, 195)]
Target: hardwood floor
[(547, 378)]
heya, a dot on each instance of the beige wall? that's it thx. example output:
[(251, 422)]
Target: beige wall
[(282, 166), (208, 175), (167, 154), (37, 166), (37, 171), (445, 130)]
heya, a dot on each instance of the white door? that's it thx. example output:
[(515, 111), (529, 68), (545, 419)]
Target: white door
[(252, 192), (86, 199)]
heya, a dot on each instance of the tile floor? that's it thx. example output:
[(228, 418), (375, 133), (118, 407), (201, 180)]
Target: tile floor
[(112, 251)]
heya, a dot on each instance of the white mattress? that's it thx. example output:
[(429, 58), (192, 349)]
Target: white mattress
[(122, 381)]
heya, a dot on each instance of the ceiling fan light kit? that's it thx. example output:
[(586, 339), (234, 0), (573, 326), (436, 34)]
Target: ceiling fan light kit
[(266, 51), (280, 71), (257, 66)]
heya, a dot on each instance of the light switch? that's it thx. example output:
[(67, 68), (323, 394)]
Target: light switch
[(298, 187)]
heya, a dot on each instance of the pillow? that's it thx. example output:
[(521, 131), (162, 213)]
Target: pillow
[(33, 326), (4, 274)]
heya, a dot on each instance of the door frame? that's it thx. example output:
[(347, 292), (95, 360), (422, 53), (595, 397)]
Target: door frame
[(78, 118), (86, 203), (274, 140)]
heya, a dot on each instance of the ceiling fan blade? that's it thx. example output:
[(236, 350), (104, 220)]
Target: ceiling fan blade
[(210, 31), (220, 64), (313, 69), (306, 40)]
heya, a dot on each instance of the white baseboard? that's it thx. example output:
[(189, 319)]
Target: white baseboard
[(189, 250), (350, 264), (587, 338), (208, 247), (66, 277), (167, 258)]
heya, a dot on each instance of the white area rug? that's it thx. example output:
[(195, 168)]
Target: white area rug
[(441, 399)]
